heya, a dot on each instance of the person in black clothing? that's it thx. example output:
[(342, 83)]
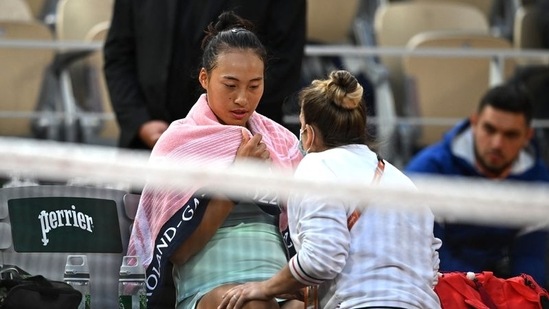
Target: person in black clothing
[(542, 7), (153, 49)]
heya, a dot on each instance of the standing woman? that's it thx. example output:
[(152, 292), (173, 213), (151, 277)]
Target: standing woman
[(360, 256), (210, 242)]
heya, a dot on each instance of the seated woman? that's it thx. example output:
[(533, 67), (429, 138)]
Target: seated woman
[(213, 241), (378, 255)]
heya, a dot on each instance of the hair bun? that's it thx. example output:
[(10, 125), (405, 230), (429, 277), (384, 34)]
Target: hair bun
[(226, 21), (344, 89)]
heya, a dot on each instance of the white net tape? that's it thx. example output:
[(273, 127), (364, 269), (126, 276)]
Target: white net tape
[(456, 199)]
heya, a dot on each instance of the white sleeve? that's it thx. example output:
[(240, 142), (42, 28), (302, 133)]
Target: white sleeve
[(321, 230)]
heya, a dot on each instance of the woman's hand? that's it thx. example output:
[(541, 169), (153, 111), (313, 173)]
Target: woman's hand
[(252, 148), (237, 296)]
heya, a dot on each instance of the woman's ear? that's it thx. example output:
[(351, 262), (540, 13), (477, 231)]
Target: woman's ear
[(309, 137), (203, 78)]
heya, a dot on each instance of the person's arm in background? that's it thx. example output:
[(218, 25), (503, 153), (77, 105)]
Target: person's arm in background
[(528, 255), (121, 73)]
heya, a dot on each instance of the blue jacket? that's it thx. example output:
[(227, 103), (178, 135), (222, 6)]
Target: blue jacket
[(477, 248)]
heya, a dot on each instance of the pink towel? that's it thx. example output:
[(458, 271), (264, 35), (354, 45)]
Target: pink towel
[(201, 139)]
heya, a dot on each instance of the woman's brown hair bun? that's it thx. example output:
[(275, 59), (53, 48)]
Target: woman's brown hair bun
[(344, 89)]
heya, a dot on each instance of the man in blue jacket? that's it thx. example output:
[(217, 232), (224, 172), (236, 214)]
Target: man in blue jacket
[(495, 143)]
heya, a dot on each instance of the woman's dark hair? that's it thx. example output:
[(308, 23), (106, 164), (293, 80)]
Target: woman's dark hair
[(509, 97), (335, 107), (229, 32)]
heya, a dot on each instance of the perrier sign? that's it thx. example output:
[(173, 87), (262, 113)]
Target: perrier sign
[(64, 224)]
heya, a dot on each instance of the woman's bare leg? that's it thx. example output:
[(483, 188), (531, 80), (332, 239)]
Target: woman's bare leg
[(293, 304), (213, 298)]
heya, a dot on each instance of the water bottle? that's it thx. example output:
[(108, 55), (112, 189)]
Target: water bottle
[(131, 284), (77, 274)]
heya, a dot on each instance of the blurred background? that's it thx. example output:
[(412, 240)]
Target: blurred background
[(424, 65)]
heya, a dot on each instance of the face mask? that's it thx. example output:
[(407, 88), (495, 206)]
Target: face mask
[(300, 144)]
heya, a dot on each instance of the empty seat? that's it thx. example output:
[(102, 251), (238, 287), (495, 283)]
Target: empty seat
[(21, 76), (450, 87), (97, 118), (344, 28), (485, 6), (326, 27), (36, 7), (75, 18), (15, 10), (396, 23)]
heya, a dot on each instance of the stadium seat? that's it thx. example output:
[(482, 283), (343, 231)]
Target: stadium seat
[(347, 29), (396, 23), (75, 18), (485, 6), (15, 10), (326, 27), (450, 87), (74, 21), (36, 7), (49, 222), (20, 79), (97, 118)]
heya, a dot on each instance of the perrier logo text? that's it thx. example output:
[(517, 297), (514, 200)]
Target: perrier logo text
[(50, 220)]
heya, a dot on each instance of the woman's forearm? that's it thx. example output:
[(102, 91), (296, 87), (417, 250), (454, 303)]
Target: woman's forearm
[(216, 212), (283, 283)]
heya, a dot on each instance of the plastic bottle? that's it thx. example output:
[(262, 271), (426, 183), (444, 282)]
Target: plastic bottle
[(131, 284), (77, 274)]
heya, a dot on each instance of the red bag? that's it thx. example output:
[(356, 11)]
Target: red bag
[(460, 290)]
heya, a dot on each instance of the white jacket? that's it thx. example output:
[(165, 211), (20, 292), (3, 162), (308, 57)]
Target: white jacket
[(389, 258)]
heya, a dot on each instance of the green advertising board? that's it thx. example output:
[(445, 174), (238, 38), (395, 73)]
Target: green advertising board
[(64, 224)]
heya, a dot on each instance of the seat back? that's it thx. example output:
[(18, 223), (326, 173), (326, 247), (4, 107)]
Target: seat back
[(323, 26), (75, 18), (485, 6), (15, 10), (21, 76), (449, 87), (98, 98), (396, 23), (36, 7), (47, 223)]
